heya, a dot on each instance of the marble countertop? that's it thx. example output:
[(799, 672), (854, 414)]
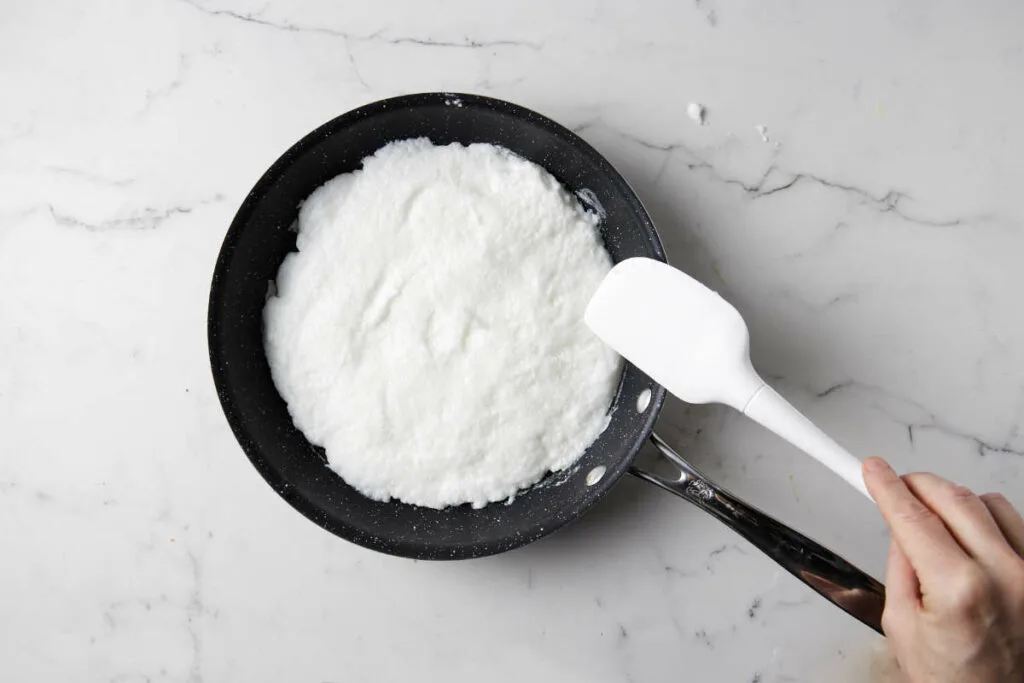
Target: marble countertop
[(873, 241)]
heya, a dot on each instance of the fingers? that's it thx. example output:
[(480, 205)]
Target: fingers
[(1010, 522), (901, 584), (922, 537), (902, 591), (964, 514)]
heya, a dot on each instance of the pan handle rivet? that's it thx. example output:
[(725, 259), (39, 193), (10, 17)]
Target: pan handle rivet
[(595, 475), (643, 400)]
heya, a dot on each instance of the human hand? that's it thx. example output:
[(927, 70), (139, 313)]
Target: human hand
[(954, 608)]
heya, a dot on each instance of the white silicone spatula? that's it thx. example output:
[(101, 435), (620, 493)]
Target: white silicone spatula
[(694, 343)]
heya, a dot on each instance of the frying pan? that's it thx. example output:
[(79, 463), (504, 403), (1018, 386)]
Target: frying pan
[(262, 234)]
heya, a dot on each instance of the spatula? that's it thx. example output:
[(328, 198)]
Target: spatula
[(694, 343)]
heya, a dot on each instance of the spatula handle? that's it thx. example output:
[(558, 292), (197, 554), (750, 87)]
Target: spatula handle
[(772, 411)]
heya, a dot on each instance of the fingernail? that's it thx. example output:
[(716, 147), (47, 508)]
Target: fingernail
[(876, 464)]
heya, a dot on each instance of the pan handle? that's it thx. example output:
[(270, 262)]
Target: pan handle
[(838, 581)]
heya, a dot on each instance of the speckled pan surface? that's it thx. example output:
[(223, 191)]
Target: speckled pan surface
[(258, 240)]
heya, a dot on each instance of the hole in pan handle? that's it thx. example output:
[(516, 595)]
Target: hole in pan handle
[(832, 577)]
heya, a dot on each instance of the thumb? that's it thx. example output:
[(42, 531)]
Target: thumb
[(922, 537)]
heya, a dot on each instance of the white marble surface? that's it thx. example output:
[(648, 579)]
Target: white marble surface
[(874, 244)]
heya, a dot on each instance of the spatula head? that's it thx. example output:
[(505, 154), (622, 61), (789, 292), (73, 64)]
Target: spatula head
[(680, 333)]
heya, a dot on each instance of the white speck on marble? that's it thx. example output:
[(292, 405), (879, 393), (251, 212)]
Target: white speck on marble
[(696, 112)]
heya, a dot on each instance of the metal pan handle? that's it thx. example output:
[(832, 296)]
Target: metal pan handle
[(838, 581)]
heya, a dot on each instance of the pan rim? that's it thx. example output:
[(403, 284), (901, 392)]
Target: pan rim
[(340, 527)]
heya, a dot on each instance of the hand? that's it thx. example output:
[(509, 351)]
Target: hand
[(954, 608)]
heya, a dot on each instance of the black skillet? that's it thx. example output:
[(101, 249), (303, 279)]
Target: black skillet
[(261, 235)]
